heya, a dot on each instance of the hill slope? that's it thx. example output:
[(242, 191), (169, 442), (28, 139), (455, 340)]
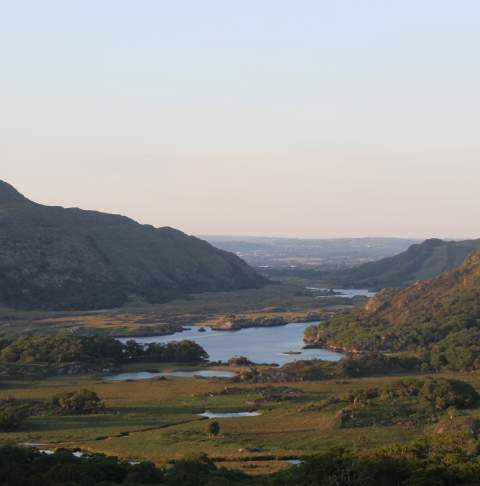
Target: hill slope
[(57, 258), (440, 316), (419, 262)]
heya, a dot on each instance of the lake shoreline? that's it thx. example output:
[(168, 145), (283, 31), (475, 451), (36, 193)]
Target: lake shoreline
[(213, 328), (273, 345)]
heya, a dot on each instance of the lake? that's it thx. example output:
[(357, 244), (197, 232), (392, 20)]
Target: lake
[(258, 344)]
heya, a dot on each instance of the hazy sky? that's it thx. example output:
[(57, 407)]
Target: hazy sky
[(259, 117)]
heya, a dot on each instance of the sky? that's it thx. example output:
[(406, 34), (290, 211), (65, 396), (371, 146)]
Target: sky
[(298, 118)]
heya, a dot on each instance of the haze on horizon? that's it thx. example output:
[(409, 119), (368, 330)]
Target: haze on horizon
[(272, 118)]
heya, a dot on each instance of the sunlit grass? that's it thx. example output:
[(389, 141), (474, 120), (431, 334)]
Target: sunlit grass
[(157, 420)]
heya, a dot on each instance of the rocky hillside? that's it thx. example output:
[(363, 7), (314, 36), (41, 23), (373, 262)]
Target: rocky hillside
[(420, 261), (57, 258), (440, 316)]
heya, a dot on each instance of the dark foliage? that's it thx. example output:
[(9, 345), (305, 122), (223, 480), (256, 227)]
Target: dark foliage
[(406, 402), (25, 467), (439, 460), (372, 364), (175, 351), (94, 352), (12, 415), (61, 348), (79, 402), (376, 364), (213, 428), (423, 463)]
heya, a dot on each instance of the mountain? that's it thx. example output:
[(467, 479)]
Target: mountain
[(420, 261), (57, 258), (440, 316)]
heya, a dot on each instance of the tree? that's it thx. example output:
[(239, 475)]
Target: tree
[(11, 419), (12, 416), (213, 428), (79, 402)]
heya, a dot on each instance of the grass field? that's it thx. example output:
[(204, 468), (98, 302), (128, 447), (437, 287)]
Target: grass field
[(157, 420)]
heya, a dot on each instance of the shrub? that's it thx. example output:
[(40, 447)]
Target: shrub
[(442, 394)]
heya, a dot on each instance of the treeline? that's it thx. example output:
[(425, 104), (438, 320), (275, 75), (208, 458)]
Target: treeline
[(185, 351), (65, 348), (26, 467), (371, 364), (437, 461), (442, 459), (438, 345), (436, 394)]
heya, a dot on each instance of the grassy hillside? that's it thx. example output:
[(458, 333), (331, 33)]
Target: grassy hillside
[(57, 258), (439, 317), (420, 261)]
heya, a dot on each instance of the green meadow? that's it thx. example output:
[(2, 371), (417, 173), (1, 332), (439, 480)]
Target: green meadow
[(157, 419)]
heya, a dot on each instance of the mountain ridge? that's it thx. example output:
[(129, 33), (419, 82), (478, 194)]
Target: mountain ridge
[(9, 194), (420, 261), (68, 258)]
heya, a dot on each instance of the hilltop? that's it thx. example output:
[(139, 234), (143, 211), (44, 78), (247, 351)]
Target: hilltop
[(71, 259), (420, 261), (438, 318)]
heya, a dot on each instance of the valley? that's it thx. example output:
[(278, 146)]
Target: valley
[(238, 243), (253, 376), (287, 372)]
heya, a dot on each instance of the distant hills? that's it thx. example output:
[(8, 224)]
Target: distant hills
[(439, 318), (420, 261), (57, 258), (372, 263), (306, 253)]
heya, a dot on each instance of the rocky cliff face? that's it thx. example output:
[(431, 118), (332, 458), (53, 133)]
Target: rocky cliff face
[(57, 258)]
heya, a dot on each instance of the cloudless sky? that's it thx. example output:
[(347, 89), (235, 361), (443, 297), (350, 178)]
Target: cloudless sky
[(260, 117)]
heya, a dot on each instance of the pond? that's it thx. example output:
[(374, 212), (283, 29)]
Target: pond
[(295, 462), (212, 415), (145, 375)]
